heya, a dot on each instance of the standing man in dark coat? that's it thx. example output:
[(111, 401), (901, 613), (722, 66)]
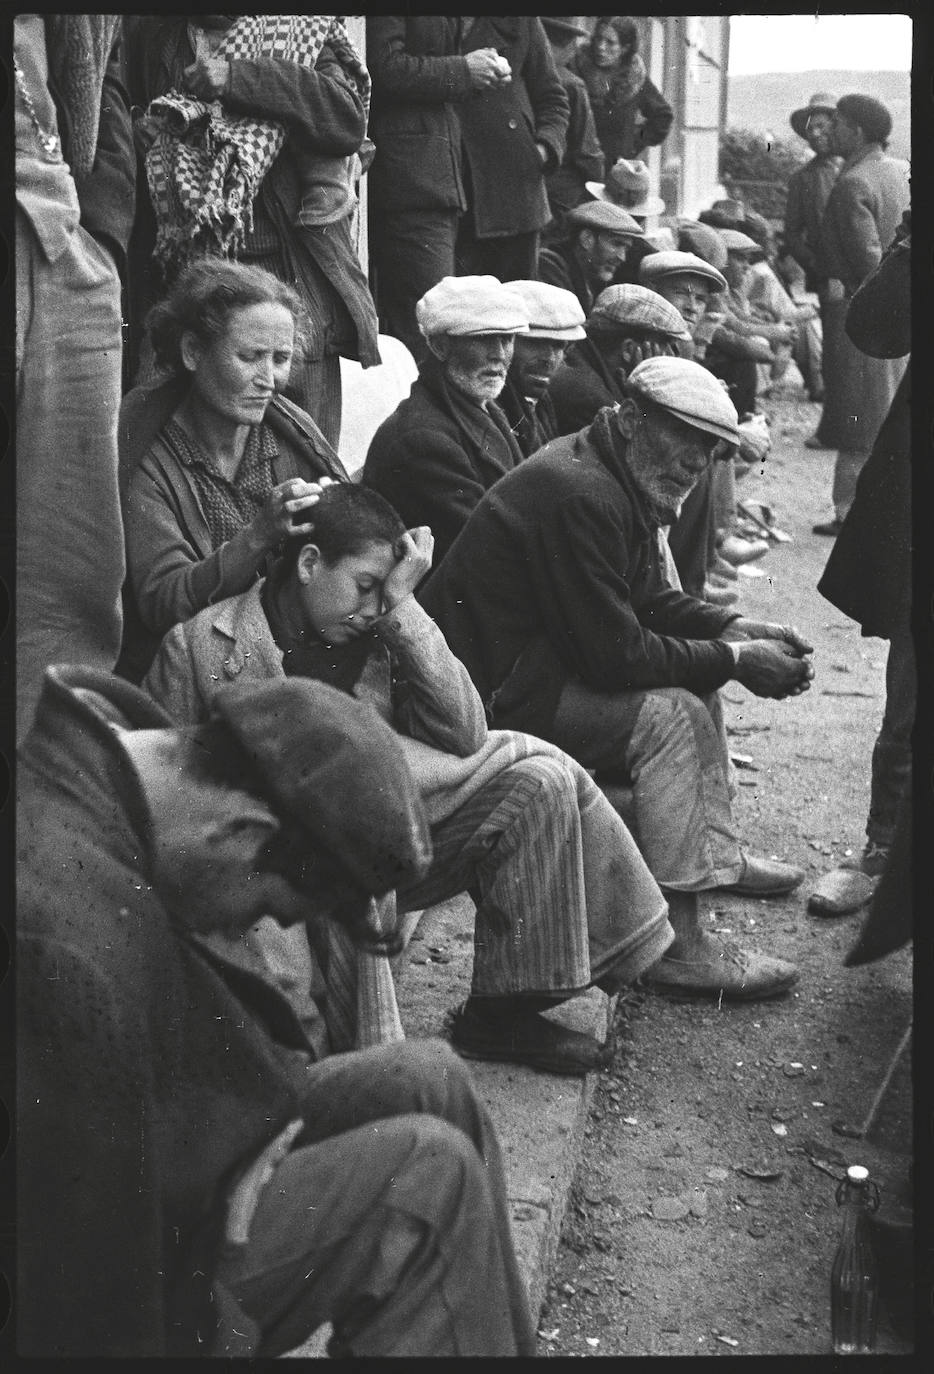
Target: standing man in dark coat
[(421, 79), (808, 191), (554, 598), (583, 159), (75, 179), (513, 136), (868, 574), (448, 441), (193, 1179)]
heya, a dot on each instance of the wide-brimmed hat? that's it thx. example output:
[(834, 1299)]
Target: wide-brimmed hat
[(628, 185), (553, 312), (604, 216), (471, 305), (627, 306), (565, 25), (821, 103), (670, 264), (724, 214)]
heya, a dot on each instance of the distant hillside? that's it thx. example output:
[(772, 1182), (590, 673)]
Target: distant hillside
[(762, 103)]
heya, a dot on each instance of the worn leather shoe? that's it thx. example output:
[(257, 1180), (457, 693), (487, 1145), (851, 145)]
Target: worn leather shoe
[(765, 878), (735, 974), (526, 1038), (831, 527)]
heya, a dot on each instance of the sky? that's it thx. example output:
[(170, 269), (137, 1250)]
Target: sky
[(806, 42)]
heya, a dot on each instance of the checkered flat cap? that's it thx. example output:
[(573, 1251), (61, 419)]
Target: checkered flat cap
[(623, 307)]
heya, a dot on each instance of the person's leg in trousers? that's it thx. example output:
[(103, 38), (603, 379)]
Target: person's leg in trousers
[(69, 545), (411, 252), (849, 464), (891, 754), (560, 886), (315, 385), (390, 1232)]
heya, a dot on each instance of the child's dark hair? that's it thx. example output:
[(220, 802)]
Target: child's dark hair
[(346, 518), (202, 300)]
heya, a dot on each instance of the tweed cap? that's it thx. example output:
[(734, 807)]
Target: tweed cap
[(553, 312), (724, 214), (689, 392), (471, 305), (626, 306), (821, 103), (704, 240), (658, 265), (604, 217), (738, 242), (334, 767)]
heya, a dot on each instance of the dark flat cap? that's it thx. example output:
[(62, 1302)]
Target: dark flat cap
[(335, 767)]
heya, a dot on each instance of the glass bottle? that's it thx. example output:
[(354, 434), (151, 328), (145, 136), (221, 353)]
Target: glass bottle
[(854, 1278)]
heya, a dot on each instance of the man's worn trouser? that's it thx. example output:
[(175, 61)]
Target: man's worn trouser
[(388, 1218), (563, 896), (671, 746), (891, 754)]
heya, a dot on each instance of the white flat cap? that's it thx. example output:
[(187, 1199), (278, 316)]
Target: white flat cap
[(471, 305), (553, 312), (687, 391)]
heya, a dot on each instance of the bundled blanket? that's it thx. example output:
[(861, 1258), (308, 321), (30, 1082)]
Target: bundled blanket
[(206, 165)]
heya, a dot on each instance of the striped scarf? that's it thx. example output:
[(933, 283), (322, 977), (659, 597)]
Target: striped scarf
[(206, 165)]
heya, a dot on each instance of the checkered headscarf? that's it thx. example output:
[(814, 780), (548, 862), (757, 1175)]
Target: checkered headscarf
[(206, 165)]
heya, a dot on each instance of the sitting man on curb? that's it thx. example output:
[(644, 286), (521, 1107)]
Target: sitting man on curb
[(564, 898), (598, 238), (448, 441), (554, 599), (191, 1181), (555, 320)]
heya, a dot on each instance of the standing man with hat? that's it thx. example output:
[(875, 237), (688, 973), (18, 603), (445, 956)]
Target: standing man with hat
[(448, 441), (864, 209), (598, 237), (555, 320), (583, 156), (555, 600), (808, 191)]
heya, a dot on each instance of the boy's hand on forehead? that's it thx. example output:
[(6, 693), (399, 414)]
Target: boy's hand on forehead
[(414, 551)]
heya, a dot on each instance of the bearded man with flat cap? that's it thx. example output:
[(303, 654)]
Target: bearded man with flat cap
[(193, 1178), (554, 598), (448, 441)]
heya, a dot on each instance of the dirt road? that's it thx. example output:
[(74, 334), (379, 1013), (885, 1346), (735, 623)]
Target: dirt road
[(703, 1220)]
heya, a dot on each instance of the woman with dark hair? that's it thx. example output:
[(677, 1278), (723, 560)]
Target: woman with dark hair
[(630, 113), (214, 464)]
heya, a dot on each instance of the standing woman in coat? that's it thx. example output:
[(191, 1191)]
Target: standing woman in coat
[(630, 113), (513, 134)]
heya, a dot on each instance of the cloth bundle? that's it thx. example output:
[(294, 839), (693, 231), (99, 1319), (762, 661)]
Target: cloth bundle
[(206, 165)]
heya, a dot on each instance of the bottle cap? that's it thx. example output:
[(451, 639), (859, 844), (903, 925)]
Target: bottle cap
[(856, 1173)]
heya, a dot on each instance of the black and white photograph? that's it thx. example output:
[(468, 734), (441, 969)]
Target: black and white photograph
[(461, 642)]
